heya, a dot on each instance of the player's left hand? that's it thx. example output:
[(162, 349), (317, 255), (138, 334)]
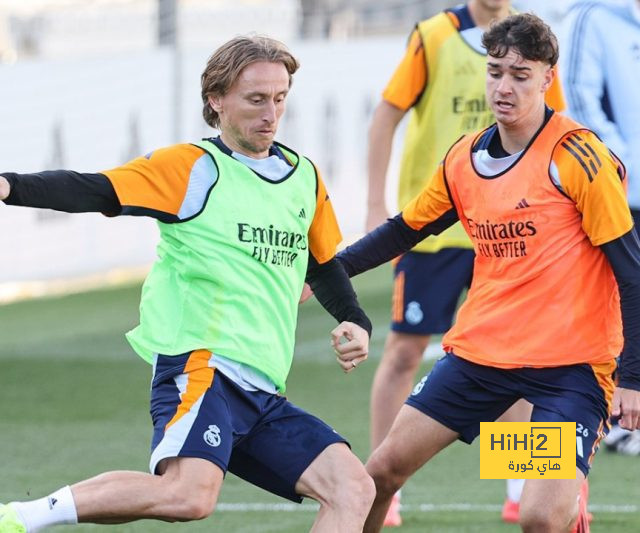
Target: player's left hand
[(351, 344), (626, 405)]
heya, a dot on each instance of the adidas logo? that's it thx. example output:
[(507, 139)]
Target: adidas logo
[(302, 213), (522, 204), (52, 502)]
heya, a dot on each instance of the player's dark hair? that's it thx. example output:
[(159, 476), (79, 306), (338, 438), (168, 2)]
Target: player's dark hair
[(228, 61), (524, 33)]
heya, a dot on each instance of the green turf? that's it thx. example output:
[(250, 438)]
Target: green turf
[(74, 402)]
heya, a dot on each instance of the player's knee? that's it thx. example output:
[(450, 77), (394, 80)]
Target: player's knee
[(339, 481), (366, 492), (387, 479), (354, 490), (357, 493), (189, 505), (404, 352), (195, 508)]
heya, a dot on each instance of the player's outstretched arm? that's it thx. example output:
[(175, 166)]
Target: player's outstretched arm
[(351, 344), (387, 241), (429, 213), (61, 190)]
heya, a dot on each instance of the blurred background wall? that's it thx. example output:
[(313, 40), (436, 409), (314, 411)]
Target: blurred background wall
[(91, 84)]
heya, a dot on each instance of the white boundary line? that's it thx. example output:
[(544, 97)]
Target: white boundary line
[(420, 508), (27, 290)]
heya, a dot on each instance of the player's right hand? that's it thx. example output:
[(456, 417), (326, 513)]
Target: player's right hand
[(351, 345)]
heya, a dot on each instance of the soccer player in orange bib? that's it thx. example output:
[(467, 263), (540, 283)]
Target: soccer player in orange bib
[(439, 84), (556, 277)]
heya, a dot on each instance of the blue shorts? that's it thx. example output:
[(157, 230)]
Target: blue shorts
[(460, 394), (260, 437), (426, 289)]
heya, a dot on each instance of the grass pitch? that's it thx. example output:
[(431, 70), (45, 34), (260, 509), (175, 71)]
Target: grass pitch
[(74, 403)]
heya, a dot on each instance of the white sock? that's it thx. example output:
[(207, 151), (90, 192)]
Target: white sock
[(56, 509), (514, 489)]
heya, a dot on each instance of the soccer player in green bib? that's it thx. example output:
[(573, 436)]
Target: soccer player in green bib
[(243, 222)]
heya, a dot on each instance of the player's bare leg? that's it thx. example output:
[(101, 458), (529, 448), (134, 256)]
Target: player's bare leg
[(392, 383), (413, 439), (393, 380), (518, 412), (339, 482), (550, 505), (187, 489)]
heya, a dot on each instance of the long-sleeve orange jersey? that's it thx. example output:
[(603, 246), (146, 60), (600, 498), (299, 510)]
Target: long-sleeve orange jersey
[(181, 183), (173, 185), (543, 293)]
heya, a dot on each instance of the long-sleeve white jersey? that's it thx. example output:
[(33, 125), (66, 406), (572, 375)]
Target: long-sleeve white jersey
[(600, 66)]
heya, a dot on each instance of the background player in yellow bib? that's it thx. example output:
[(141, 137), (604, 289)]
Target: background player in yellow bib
[(441, 83), (555, 293)]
